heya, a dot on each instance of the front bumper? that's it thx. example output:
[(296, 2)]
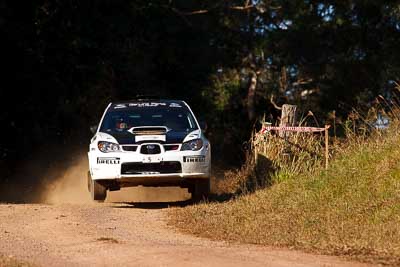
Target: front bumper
[(112, 166)]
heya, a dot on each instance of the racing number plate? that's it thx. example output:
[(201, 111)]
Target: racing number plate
[(151, 159)]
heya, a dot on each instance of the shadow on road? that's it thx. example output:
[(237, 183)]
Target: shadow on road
[(165, 205), (151, 205)]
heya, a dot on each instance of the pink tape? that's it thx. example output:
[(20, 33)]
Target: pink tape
[(292, 129)]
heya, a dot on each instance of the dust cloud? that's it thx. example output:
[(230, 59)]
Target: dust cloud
[(70, 186)]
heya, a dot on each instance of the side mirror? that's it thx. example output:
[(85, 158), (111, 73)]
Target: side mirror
[(203, 126), (93, 129)]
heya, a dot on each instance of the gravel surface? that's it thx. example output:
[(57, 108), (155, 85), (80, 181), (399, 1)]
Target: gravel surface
[(118, 234)]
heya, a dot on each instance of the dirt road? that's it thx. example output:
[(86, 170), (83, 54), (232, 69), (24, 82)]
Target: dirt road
[(125, 235), (74, 231)]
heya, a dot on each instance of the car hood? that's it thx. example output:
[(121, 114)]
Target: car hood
[(171, 137)]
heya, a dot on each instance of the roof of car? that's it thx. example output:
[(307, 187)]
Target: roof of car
[(139, 100)]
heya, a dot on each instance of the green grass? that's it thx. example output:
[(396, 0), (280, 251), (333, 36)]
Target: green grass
[(353, 209)]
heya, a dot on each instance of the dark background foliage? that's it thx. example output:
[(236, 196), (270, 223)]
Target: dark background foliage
[(63, 61)]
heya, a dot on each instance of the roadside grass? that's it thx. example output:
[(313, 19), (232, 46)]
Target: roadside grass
[(352, 209)]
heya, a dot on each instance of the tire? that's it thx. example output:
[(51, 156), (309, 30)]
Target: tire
[(200, 190), (89, 180), (97, 191)]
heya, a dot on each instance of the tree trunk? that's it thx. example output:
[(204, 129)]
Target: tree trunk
[(251, 96), (283, 81), (288, 117)]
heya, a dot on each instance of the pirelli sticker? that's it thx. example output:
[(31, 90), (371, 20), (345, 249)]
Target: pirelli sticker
[(194, 159), (108, 160)]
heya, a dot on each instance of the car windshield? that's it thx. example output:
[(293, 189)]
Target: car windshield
[(177, 119)]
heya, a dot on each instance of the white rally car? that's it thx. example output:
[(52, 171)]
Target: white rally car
[(149, 143)]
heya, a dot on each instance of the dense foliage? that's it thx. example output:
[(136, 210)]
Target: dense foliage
[(64, 60)]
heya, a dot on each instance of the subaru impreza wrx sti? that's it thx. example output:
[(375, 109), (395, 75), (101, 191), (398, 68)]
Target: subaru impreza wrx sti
[(149, 143)]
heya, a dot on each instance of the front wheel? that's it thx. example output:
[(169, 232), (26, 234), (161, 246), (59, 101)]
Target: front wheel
[(89, 181), (200, 190), (97, 190)]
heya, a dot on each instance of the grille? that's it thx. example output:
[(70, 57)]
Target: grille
[(171, 147), (129, 148), (162, 167), (150, 149)]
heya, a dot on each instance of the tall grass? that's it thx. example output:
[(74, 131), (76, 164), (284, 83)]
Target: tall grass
[(273, 159), (293, 154)]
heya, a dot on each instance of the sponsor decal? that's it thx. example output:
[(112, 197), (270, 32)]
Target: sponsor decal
[(120, 106), (140, 105), (108, 160), (150, 104), (193, 159), (140, 138), (174, 105)]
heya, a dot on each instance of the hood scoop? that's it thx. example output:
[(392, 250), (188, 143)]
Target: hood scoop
[(149, 133), (148, 130)]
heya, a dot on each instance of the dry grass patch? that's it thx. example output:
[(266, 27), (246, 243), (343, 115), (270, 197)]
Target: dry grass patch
[(353, 209)]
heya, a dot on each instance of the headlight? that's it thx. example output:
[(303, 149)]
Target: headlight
[(108, 147), (193, 145)]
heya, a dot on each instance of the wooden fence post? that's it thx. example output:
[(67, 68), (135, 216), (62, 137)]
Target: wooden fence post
[(288, 117)]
